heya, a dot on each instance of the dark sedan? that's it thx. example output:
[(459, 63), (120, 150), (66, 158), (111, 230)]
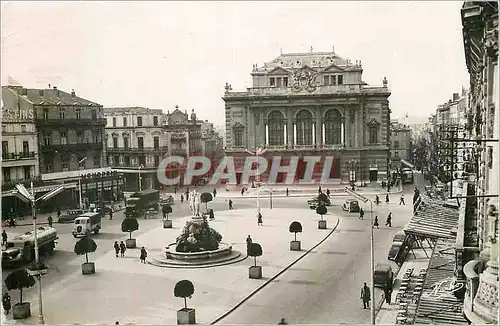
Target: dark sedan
[(70, 216), (314, 202)]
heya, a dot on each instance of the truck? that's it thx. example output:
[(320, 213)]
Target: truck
[(140, 202), (87, 223), (21, 248)]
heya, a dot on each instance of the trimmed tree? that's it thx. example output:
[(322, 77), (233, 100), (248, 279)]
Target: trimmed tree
[(167, 209), (321, 210), (295, 227), (84, 246), (322, 199), (130, 225), (255, 250), (184, 289), (19, 280), (206, 197)]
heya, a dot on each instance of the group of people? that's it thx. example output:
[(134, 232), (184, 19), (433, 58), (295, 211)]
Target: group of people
[(366, 295), (388, 221), (121, 248)]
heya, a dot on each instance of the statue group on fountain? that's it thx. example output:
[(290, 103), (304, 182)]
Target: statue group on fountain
[(194, 203)]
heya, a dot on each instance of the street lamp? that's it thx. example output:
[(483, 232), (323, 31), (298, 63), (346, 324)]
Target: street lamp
[(258, 151), (372, 254), (30, 197), (140, 180), (80, 183)]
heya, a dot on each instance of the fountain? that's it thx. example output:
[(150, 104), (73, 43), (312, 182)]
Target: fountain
[(199, 245)]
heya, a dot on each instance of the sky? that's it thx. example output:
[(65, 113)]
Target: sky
[(163, 54)]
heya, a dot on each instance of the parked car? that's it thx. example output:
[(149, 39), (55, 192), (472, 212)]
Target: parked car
[(70, 216), (167, 200), (397, 242), (351, 206), (383, 275), (314, 202)]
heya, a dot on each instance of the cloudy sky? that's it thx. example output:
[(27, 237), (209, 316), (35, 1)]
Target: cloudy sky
[(162, 54)]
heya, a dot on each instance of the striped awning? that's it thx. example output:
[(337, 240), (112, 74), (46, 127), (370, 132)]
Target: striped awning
[(433, 220), (438, 303)]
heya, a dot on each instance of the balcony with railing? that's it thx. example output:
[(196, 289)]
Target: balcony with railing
[(18, 159), (49, 123), (314, 147), (136, 150), (71, 147), (179, 151)]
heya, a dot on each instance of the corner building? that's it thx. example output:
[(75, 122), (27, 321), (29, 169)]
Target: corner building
[(312, 104)]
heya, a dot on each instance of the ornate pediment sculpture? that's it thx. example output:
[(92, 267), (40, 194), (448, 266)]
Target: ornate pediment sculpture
[(304, 79)]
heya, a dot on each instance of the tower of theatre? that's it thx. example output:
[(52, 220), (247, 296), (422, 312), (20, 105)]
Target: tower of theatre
[(312, 104)]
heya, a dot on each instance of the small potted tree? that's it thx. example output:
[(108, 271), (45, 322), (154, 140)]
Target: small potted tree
[(321, 210), (323, 199), (130, 225), (206, 197), (255, 250), (20, 280), (185, 289), (167, 224), (295, 227), (84, 246)]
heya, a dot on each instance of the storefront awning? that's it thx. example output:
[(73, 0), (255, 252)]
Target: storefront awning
[(438, 303), (432, 220)]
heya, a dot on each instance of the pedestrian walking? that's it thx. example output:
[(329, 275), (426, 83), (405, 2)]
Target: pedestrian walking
[(402, 200), (182, 199), (4, 238), (117, 248), (259, 219), (164, 211), (215, 192), (328, 192), (111, 215), (211, 215), (58, 213), (365, 296), (353, 188), (123, 248), (144, 254), (230, 202), (389, 220), (319, 190), (377, 200), (388, 293), (50, 220), (12, 222), (287, 193), (361, 213), (242, 191), (6, 303), (249, 242), (375, 223), (187, 195), (387, 198), (175, 190)]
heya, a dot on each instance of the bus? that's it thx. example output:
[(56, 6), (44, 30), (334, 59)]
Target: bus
[(406, 175)]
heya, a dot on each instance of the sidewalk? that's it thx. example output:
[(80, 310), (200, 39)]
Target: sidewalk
[(118, 281)]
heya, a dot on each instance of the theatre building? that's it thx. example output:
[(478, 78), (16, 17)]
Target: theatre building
[(314, 104)]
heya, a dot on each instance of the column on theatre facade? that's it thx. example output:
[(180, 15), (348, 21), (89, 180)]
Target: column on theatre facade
[(260, 136), (342, 130), (289, 128), (251, 125), (318, 129)]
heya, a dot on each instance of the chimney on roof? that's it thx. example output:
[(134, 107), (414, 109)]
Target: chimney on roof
[(333, 50), (455, 96), (73, 92), (54, 87), (49, 86)]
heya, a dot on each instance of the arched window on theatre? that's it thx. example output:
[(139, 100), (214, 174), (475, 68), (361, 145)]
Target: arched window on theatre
[(276, 129), (373, 130), (333, 127), (238, 135), (304, 127)]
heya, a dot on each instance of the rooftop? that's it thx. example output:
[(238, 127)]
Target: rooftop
[(49, 96)]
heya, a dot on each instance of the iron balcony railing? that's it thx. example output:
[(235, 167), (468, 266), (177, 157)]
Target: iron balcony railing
[(18, 156), (70, 122), (71, 147)]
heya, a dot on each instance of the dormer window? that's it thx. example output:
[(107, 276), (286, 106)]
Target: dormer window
[(278, 82), (285, 81), (340, 80), (272, 82)]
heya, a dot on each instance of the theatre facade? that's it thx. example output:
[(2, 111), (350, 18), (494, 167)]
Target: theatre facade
[(311, 104)]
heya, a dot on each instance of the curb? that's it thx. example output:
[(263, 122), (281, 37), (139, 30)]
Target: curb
[(227, 313), (200, 267), (46, 223)]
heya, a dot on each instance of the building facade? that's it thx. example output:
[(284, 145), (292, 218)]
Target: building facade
[(401, 145), (480, 32), (136, 144), (312, 104)]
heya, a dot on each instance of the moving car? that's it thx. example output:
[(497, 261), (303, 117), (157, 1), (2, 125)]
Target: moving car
[(314, 202), (70, 216), (383, 276), (351, 206), (87, 223)]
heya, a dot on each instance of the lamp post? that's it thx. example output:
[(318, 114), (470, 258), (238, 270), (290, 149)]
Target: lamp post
[(27, 196), (140, 180), (258, 151), (80, 184), (372, 253)]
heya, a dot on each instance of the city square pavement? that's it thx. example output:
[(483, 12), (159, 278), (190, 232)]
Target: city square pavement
[(127, 291)]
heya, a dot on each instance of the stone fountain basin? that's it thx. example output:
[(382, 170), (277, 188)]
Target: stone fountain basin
[(224, 249)]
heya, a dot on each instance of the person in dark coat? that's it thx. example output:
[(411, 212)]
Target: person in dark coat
[(328, 192), (215, 192), (182, 198), (50, 220), (12, 221), (283, 322), (389, 220), (123, 248), (164, 211), (144, 254), (249, 242), (6, 302), (388, 293), (110, 214), (242, 191), (230, 202), (387, 198), (375, 223), (117, 248), (365, 296), (259, 219), (211, 214), (4, 238), (377, 200), (402, 200), (319, 190), (287, 193), (361, 213)]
